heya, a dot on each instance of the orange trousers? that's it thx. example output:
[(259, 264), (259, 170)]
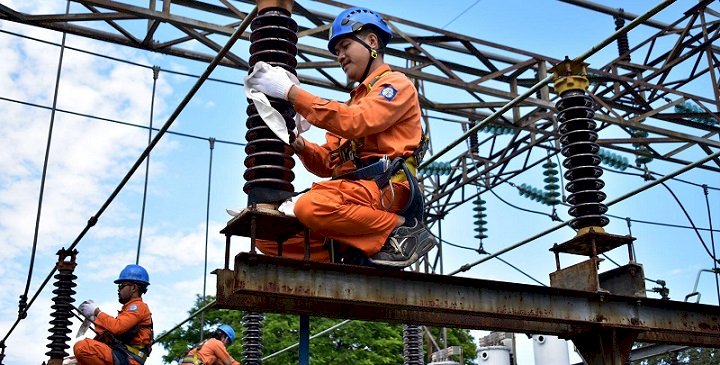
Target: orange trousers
[(91, 352), (348, 211)]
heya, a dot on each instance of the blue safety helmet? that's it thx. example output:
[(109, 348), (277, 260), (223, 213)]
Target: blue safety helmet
[(229, 331), (353, 20), (135, 273)]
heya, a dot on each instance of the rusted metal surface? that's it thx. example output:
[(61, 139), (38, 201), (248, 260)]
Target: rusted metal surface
[(583, 244), (608, 346), (273, 284), (626, 280), (581, 276), (271, 225)]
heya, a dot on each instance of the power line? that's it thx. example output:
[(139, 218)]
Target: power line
[(120, 122), (554, 217), (651, 184), (712, 241), (682, 207), (94, 219), (482, 251), (461, 14), (156, 73), (646, 174), (118, 59), (520, 208), (22, 306)]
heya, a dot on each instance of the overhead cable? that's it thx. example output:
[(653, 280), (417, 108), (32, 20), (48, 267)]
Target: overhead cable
[(712, 241), (156, 72), (542, 83), (22, 306), (613, 202), (94, 219), (118, 59), (687, 215), (121, 122), (207, 229)]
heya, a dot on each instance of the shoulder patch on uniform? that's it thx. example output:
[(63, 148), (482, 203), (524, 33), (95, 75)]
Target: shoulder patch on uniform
[(133, 308), (388, 92)]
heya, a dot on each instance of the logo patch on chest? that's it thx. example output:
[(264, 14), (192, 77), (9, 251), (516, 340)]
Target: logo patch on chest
[(388, 92)]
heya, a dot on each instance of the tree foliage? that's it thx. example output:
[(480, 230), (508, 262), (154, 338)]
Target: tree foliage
[(691, 355), (357, 343)]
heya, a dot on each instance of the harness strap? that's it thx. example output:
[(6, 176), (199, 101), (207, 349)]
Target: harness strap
[(136, 354), (193, 359), (384, 172), (369, 171), (137, 351), (119, 356), (415, 206)]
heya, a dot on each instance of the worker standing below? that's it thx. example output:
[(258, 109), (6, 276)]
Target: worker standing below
[(213, 351), (377, 212), (127, 338)]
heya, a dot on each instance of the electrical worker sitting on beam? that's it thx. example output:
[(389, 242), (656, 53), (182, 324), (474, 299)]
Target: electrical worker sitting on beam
[(127, 338), (372, 204)]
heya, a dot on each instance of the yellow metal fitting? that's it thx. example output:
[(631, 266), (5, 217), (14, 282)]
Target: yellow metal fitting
[(570, 75), (586, 230)]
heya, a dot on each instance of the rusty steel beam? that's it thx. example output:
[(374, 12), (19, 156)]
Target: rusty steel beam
[(273, 284)]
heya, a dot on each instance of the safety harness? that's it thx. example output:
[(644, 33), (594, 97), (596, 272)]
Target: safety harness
[(121, 348), (386, 172), (192, 356)]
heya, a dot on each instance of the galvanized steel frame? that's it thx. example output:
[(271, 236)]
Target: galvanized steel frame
[(632, 94)]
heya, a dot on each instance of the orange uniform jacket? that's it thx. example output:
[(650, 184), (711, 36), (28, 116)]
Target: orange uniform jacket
[(133, 313), (213, 352), (383, 115)]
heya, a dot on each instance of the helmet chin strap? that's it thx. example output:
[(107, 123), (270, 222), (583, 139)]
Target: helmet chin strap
[(373, 56)]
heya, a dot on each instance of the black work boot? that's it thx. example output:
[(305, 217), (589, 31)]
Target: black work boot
[(405, 245)]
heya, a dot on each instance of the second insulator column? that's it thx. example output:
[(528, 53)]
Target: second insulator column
[(578, 140)]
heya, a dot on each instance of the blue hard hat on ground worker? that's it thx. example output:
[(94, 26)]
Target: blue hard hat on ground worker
[(134, 273), (229, 331), (355, 19)]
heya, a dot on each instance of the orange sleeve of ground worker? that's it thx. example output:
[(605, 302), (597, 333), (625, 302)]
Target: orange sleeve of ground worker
[(132, 314), (213, 352)]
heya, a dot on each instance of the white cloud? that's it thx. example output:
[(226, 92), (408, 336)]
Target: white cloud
[(87, 159)]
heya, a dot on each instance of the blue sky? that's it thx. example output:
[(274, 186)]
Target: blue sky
[(89, 157)]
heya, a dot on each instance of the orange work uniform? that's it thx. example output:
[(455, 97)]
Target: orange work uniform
[(134, 316), (213, 352), (382, 117)]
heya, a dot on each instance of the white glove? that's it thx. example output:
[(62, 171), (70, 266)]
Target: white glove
[(87, 308), (272, 81)]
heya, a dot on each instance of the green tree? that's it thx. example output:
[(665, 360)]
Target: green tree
[(358, 342), (692, 355)]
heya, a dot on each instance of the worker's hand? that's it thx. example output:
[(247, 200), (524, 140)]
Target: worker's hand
[(298, 144), (87, 308), (273, 82)]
